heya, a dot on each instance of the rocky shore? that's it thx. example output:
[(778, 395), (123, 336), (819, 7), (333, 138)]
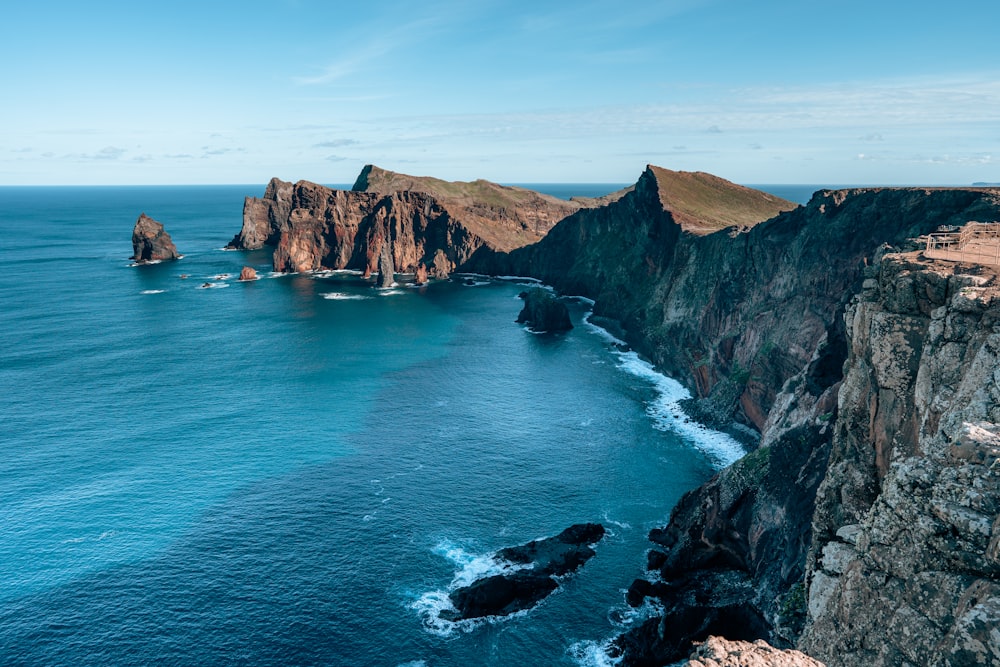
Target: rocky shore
[(863, 527), (759, 321)]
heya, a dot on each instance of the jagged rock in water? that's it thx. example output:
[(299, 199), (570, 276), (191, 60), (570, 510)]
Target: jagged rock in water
[(509, 592), (721, 652), (544, 312), (248, 273), (420, 275), (150, 242), (386, 276)]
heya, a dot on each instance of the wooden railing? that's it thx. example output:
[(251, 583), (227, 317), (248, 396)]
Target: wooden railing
[(977, 242)]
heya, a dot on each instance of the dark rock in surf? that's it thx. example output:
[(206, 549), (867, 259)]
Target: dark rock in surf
[(150, 242), (544, 312), (510, 592)]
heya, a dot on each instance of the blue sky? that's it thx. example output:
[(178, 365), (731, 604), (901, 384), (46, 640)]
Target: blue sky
[(813, 92)]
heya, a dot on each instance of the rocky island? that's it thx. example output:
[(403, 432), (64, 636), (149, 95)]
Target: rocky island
[(150, 242), (862, 529)]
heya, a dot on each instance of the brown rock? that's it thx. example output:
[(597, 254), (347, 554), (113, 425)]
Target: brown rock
[(420, 275), (248, 273), (150, 242)]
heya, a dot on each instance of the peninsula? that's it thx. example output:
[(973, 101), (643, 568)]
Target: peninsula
[(862, 529)]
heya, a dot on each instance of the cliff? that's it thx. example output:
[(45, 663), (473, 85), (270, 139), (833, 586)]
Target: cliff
[(428, 224), (756, 320), (905, 563)]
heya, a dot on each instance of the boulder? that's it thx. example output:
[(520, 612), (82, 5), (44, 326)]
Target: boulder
[(248, 273), (544, 312), (150, 242)]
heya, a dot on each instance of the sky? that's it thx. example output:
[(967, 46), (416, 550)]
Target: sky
[(827, 92)]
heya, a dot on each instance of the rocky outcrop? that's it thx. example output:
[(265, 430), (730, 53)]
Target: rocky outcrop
[(150, 242), (248, 273), (720, 652), (537, 564), (905, 564), (386, 274), (543, 312), (429, 223)]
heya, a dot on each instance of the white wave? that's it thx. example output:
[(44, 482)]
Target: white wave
[(590, 653), (152, 291), (228, 249), (344, 296), (602, 332), (520, 279), (213, 285), (390, 291), (471, 567), (276, 274), (624, 525), (667, 414), (476, 283), (223, 276)]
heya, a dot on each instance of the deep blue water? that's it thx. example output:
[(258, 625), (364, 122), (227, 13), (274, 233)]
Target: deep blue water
[(296, 470)]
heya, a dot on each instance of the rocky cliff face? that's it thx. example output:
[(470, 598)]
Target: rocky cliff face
[(905, 565), (754, 320), (428, 224), (264, 219), (150, 242)]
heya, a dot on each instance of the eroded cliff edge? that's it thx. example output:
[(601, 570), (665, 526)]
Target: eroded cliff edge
[(758, 322)]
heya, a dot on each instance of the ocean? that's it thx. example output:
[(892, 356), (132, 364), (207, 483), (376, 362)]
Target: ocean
[(297, 470)]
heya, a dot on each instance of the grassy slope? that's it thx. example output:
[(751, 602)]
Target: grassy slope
[(702, 203)]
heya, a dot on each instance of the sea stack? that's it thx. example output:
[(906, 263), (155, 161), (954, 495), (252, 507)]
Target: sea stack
[(150, 242), (543, 312), (248, 273), (386, 275)]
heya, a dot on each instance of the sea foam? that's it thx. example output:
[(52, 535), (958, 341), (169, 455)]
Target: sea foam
[(665, 409), (344, 296), (470, 568)]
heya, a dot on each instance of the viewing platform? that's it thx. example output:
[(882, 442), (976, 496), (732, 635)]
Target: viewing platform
[(976, 242)]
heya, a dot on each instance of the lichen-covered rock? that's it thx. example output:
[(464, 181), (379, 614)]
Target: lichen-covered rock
[(904, 567), (720, 652), (150, 242), (544, 312)]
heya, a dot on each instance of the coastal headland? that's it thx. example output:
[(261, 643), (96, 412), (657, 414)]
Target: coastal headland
[(862, 528)]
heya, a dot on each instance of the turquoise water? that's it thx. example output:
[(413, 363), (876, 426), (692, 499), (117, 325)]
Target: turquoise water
[(296, 470)]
